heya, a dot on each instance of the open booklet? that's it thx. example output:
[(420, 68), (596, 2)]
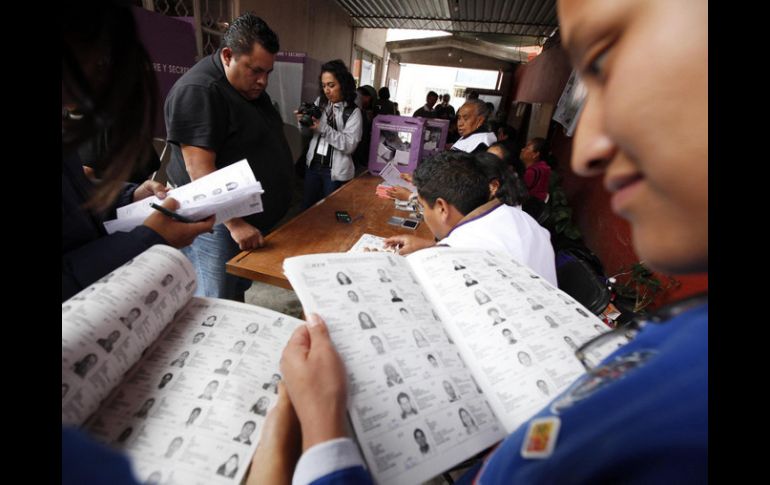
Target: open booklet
[(447, 350), (181, 384), (229, 192)]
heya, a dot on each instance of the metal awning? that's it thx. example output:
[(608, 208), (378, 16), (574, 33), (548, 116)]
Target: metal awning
[(530, 18)]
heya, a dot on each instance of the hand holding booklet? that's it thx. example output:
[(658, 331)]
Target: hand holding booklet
[(229, 192), (181, 384), (462, 345)]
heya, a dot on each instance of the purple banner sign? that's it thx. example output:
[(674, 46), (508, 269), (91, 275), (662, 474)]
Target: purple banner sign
[(171, 46)]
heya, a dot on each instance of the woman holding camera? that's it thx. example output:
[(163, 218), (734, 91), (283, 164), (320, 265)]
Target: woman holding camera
[(335, 134)]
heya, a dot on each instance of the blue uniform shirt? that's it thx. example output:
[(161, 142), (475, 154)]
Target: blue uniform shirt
[(641, 417)]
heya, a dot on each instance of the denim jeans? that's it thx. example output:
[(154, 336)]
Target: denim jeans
[(318, 184), (209, 253)]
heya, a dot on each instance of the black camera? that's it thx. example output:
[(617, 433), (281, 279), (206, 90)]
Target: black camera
[(308, 112)]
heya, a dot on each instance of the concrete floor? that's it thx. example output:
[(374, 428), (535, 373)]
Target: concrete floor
[(274, 298)]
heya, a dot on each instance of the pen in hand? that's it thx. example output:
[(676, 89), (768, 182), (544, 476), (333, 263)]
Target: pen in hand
[(171, 214)]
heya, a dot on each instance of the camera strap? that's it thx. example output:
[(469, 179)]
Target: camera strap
[(323, 153)]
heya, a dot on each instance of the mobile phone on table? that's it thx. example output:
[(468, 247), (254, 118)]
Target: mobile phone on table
[(342, 216), (410, 224)]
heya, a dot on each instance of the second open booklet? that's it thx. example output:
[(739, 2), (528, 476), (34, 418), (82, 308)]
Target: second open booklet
[(447, 350)]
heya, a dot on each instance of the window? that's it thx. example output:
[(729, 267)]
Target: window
[(366, 68)]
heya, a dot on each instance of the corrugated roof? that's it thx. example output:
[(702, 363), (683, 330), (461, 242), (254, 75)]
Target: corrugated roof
[(515, 17)]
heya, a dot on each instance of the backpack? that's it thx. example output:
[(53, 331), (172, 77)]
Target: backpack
[(580, 274), (346, 112)]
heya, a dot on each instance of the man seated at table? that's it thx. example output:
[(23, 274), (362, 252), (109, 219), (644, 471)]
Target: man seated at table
[(455, 196), (475, 136)]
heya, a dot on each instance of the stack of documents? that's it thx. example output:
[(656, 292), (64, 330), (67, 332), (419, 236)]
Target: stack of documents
[(229, 192)]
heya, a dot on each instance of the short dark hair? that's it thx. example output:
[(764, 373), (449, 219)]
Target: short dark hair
[(540, 145), (367, 90), (446, 97), (453, 176), (402, 394), (247, 29), (507, 157), (384, 93), (512, 190), (431, 93), (339, 70)]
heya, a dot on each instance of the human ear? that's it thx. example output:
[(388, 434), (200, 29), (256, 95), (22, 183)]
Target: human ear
[(493, 186), (227, 55), (442, 206)]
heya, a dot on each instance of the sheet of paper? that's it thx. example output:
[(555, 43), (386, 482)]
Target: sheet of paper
[(370, 243), (392, 176)]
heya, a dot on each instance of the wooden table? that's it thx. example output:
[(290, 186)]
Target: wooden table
[(316, 230)]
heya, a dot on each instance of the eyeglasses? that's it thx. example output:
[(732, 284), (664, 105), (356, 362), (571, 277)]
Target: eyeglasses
[(629, 331), (634, 326)]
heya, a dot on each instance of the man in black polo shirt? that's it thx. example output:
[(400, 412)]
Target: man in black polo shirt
[(218, 113)]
